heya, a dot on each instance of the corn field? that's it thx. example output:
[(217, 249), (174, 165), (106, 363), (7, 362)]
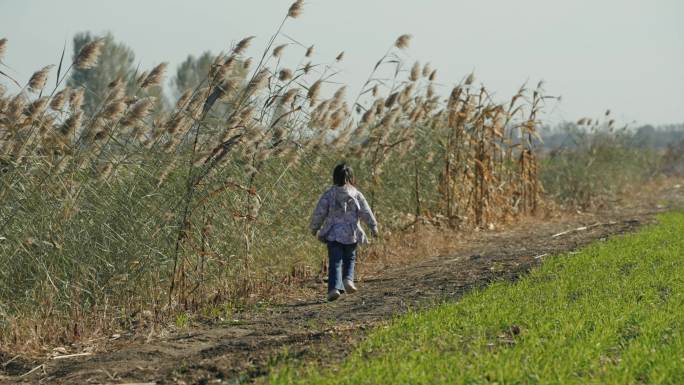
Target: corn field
[(134, 211)]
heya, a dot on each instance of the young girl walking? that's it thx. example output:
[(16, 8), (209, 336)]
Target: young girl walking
[(336, 222)]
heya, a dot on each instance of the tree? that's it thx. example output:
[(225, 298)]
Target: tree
[(192, 72), (116, 60)]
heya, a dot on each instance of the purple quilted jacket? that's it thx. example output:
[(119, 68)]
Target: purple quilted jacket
[(337, 214)]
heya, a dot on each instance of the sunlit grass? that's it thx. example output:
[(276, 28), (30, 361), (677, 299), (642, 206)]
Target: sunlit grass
[(610, 314)]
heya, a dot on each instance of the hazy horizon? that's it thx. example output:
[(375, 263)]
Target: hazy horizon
[(618, 55)]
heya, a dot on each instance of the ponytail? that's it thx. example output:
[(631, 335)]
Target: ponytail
[(343, 174)]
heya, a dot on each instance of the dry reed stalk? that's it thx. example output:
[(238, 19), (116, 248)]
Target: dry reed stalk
[(405, 94), (216, 68), (76, 99), (4, 102), (3, 47), (60, 98), (242, 45), (177, 124), (155, 76), (313, 92), (138, 111), (391, 99), (403, 41), (430, 91), (415, 72), (339, 95), (229, 64), (295, 9), (166, 172), (105, 171), (278, 51), (72, 124), (338, 117), (62, 164), (289, 96), (114, 109), (39, 78), (259, 81), (470, 79), (15, 109), (285, 74), (247, 63), (368, 116), (141, 78), (427, 70), (183, 100), (88, 55)]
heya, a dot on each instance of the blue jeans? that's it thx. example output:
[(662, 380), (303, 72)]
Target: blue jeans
[(341, 261)]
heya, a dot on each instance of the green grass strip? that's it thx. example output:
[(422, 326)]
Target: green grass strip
[(611, 314)]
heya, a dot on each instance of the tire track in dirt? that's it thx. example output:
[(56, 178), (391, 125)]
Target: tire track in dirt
[(313, 329)]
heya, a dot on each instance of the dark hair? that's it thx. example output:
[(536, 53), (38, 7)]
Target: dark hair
[(343, 174)]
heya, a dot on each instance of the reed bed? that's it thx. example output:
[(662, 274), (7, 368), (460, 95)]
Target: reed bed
[(133, 214)]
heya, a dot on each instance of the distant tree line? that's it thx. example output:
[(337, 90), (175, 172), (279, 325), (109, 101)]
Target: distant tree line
[(570, 135), (117, 63)]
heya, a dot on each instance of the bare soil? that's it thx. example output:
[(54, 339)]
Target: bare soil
[(308, 328)]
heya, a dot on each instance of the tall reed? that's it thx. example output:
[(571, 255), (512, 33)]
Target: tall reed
[(131, 213)]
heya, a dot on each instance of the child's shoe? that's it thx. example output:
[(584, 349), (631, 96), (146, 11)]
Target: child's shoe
[(349, 286), (333, 295)]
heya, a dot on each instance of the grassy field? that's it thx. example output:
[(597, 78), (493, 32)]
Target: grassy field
[(609, 314)]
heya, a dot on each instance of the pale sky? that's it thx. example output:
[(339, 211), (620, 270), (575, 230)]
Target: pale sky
[(626, 55)]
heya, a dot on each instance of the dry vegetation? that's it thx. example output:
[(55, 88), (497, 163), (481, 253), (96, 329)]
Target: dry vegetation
[(133, 215)]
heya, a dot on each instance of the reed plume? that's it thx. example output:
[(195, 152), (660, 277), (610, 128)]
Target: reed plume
[(259, 81), (139, 110), (114, 109), (427, 70), (285, 74), (278, 51), (247, 63), (470, 79), (296, 9), (314, 90), (38, 79), (242, 45), (3, 47), (76, 99), (155, 76), (72, 125), (60, 98), (415, 72), (37, 107), (339, 95), (289, 96), (88, 55), (403, 41)]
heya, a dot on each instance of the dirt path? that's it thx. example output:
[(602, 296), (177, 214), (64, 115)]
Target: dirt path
[(311, 328)]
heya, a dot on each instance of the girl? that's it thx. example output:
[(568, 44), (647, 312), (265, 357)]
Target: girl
[(337, 216)]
